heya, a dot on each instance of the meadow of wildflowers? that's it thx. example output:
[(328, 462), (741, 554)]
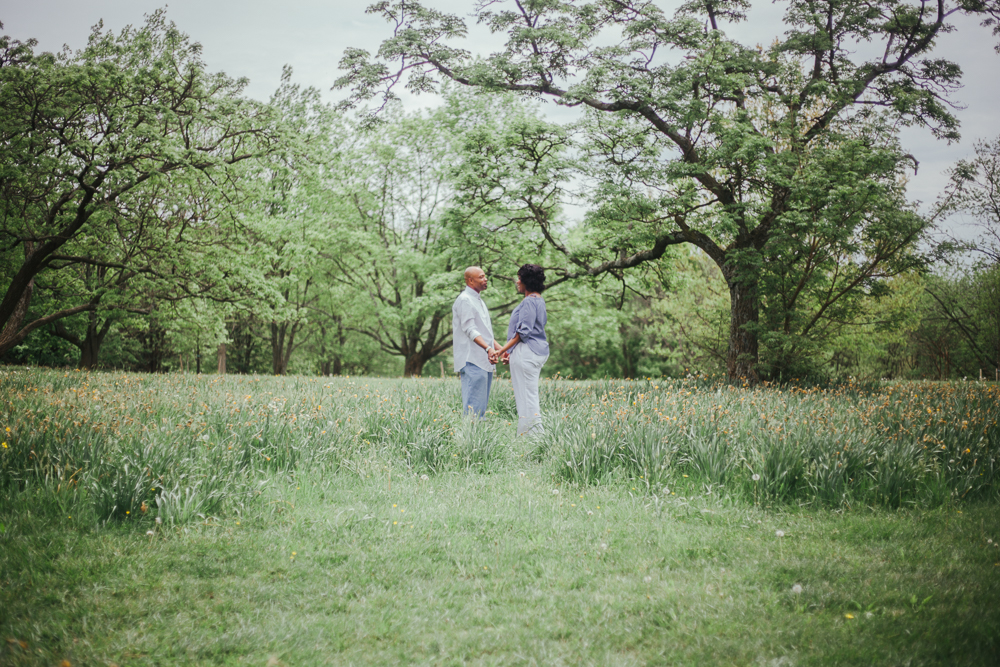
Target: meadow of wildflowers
[(182, 519), (182, 447)]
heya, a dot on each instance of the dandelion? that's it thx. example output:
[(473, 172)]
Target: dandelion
[(647, 579), (779, 533), (755, 477), (589, 513), (848, 615), (159, 520), (424, 478), (150, 533), (555, 492), (797, 589), (666, 491)]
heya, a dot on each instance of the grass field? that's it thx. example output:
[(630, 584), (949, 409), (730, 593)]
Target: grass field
[(298, 521)]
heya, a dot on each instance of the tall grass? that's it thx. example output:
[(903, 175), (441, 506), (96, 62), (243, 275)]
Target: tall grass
[(180, 448)]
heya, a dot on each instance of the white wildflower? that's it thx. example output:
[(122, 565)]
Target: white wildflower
[(779, 533), (797, 589)]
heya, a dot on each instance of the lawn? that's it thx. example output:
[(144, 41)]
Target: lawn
[(357, 521)]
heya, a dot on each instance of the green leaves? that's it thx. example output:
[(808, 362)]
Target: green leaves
[(116, 159)]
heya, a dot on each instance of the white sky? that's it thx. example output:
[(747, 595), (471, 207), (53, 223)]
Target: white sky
[(255, 39)]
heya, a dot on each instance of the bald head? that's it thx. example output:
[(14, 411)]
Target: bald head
[(475, 278)]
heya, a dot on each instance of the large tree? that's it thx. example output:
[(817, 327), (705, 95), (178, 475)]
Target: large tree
[(746, 151), (291, 214), (389, 250), (971, 302), (95, 146)]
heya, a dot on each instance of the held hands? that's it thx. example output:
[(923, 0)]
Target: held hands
[(495, 356)]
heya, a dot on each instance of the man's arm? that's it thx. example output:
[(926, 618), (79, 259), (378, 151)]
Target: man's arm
[(467, 323)]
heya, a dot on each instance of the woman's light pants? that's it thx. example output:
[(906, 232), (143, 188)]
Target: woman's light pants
[(525, 368)]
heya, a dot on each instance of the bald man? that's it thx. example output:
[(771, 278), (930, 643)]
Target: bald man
[(472, 332)]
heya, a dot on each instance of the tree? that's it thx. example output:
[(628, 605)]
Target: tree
[(94, 147), (293, 203), (973, 305), (707, 141), (390, 252)]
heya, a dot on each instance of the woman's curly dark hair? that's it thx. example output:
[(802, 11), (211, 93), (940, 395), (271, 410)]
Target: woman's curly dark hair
[(532, 277)]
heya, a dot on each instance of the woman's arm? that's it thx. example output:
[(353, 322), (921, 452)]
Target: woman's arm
[(503, 350)]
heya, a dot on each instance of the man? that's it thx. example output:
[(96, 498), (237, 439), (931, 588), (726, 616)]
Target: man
[(472, 332)]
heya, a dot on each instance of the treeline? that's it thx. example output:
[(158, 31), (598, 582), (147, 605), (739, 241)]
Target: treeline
[(154, 218)]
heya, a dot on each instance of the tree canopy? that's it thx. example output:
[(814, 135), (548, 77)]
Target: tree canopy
[(755, 154), (107, 155)]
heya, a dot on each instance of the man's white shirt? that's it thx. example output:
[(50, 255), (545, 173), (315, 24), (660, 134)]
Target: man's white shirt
[(471, 318)]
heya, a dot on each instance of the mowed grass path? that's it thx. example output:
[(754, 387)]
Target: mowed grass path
[(369, 560)]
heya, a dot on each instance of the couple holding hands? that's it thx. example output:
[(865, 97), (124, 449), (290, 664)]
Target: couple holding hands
[(476, 353)]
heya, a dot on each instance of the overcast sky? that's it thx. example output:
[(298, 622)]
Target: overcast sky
[(254, 38)]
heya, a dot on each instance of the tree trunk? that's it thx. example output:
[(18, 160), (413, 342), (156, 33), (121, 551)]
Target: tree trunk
[(414, 365), (222, 359), (10, 329), (155, 348), (90, 346), (277, 347), (92, 342), (743, 353), (332, 367), (282, 342)]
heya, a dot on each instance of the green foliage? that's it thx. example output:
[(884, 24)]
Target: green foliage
[(117, 162), (780, 163)]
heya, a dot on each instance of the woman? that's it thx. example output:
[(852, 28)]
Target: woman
[(527, 349)]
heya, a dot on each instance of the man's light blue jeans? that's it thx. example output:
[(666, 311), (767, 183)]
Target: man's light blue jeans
[(476, 384)]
